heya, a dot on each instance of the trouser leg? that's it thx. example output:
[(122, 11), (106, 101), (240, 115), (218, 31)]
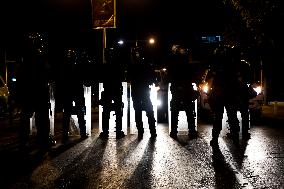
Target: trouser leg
[(191, 116), (43, 127), (174, 121), (138, 120), (25, 126), (148, 107), (105, 119)]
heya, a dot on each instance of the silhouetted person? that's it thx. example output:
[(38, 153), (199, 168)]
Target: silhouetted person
[(112, 76), (69, 88), (224, 94), (33, 89), (245, 93), (180, 74), (141, 76)]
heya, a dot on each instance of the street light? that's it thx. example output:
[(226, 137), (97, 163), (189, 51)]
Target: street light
[(150, 41), (139, 48)]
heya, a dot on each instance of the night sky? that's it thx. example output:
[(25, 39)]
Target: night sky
[(69, 23), (135, 19)]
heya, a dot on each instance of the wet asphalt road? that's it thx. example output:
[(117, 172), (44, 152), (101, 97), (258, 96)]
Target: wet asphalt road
[(152, 163)]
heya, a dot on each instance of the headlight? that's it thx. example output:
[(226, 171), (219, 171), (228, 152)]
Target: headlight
[(204, 87), (159, 102), (257, 89)]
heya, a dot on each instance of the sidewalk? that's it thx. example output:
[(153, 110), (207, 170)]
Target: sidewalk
[(274, 112)]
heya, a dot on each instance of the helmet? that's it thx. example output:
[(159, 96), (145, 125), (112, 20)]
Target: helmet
[(137, 55), (36, 43), (71, 56)]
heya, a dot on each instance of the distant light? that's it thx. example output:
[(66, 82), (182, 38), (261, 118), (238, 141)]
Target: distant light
[(218, 37), (14, 79), (205, 88), (258, 89), (121, 42), (194, 86), (164, 69), (152, 41), (246, 62)]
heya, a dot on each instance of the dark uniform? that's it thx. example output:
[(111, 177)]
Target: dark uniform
[(69, 89), (224, 94), (245, 93), (111, 98), (141, 76), (33, 89), (181, 77), (112, 74)]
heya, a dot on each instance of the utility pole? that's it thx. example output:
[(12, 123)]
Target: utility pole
[(6, 66), (104, 44)]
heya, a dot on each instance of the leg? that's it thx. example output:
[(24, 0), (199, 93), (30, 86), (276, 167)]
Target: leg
[(233, 122), (67, 107), (43, 127), (119, 114), (138, 114), (217, 124), (105, 121), (80, 110), (191, 116), (150, 115), (245, 121), (26, 114), (174, 120)]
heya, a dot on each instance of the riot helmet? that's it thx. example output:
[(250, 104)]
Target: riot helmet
[(71, 56), (36, 43)]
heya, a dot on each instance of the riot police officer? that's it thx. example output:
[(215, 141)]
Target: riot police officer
[(181, 77), (69, 89), (245, 93), (141, 76), (33, 90), (111, 96), (223, 79)]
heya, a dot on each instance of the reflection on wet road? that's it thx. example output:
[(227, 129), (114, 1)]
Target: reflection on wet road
[(163, 162)]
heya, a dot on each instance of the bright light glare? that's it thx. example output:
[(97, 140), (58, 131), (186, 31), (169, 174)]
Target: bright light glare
[(194, 86), (153, 93), (205, 88), (151, 41), (121, 42), (159, 102), (258, 89), (88, 103)]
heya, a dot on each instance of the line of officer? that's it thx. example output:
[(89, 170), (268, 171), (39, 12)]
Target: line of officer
[(180, 74), (33, 90), (69, 89), (224, 94), (111, 96), (141, 75)]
